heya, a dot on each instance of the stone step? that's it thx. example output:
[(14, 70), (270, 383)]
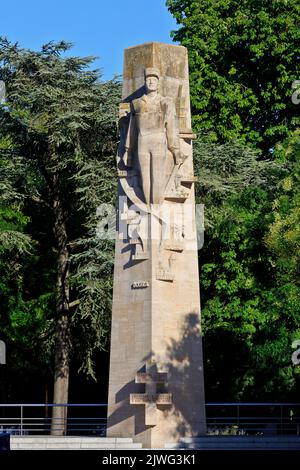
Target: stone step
[(66, 447), (71, 443), (72, 439)]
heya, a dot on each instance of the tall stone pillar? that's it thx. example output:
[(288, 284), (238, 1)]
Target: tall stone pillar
[(156, 387)]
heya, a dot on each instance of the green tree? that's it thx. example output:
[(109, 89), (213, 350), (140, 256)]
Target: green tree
[(283, 241), (243, 59), (283, 238), (24, 323), (61, 120), (249, 270)]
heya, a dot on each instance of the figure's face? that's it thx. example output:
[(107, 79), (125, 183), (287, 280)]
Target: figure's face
[(151, 83)]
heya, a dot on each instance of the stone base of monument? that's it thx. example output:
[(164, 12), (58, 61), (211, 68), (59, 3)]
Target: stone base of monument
[(200, 443), (72, 443), (238, 443)]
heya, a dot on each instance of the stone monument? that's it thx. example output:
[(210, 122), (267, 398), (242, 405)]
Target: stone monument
[(156, 387)]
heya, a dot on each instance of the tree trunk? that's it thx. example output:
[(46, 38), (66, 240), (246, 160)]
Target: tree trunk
[(62, 340)]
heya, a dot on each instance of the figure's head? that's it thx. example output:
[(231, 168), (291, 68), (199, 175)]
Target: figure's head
[(151, 79)]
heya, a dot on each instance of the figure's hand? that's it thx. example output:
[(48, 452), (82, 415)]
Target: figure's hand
[(179, 157)]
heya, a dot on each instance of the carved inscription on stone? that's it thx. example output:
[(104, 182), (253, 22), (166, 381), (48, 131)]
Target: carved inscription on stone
[(147, 378), (163, 275), (139, 284), (144, 398)]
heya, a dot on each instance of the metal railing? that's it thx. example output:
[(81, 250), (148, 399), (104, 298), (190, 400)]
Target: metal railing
[(253, 419), (35, 418), (84, 419)]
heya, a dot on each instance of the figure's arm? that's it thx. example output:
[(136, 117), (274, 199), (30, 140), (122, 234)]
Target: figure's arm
[(127, 141), (130, 142), (173, 132)]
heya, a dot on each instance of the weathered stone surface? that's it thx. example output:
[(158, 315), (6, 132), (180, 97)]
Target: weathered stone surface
[(143, 378), (156, 326), (143, 398), (70, 443)]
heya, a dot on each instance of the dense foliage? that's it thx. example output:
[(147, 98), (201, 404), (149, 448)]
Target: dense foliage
[(244, 61), (249, 284), (58, 133), (243, 57)]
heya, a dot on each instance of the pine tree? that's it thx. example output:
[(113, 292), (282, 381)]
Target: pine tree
[(62, 120)]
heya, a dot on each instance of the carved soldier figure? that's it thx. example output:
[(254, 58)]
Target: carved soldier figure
[(153, 130)]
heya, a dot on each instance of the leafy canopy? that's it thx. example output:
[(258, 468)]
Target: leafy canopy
[(243, 58)]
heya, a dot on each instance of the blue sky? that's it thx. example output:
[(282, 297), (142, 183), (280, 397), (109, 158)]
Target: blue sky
[(102, 28)]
